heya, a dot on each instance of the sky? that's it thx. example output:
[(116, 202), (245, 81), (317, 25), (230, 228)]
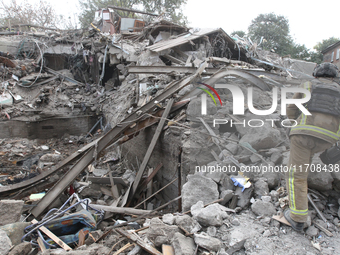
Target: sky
[(310, 21)]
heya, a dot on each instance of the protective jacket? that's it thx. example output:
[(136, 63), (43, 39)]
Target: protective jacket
[(320, 124)]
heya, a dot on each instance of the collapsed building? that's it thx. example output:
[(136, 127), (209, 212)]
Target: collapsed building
[(105, 131)]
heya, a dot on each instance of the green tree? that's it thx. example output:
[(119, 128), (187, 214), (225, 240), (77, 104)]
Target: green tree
[(275, 31), (171, 7), (298, 51), (240, 33), (317, 56)]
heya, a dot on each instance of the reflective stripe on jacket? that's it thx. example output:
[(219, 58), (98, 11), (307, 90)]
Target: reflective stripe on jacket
[(320, 125)]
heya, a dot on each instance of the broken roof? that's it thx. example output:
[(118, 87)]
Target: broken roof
[(190, 36), (331, 47)]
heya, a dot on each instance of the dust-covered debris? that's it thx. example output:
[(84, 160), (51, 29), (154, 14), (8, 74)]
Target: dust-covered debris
[(78, 110)]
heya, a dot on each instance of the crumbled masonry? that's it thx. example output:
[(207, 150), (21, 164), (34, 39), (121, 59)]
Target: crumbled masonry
[(104, 148)]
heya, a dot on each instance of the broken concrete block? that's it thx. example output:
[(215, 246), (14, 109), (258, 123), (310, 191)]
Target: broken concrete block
[(5, 243), (262, 138), (168, 218), (320, 181), (266, 199), (261, 188), (227, 184), (212, 231), (232, 148), (160, 233), (244, 197), (254, 159), (236, 247), (212, 215), (198, 188), (276, 158), (21, 249), (10, 211), (272, 179), (188, 223), (312, 231), (207, 242), (216, 176), (227, 195), (261, 208), (183, 245), (15, 231)]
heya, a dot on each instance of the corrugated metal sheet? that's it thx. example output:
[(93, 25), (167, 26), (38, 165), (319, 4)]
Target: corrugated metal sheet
[(189, 37)]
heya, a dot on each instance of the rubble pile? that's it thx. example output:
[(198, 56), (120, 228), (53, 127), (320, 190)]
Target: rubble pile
[(106, 149)]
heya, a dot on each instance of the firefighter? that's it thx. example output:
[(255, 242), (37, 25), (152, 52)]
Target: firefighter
[(312, 134)]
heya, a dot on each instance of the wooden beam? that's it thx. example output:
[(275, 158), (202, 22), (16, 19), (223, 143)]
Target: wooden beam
[(151, 148), (56, 239), (114, 188), (121, 210), (149, 185)]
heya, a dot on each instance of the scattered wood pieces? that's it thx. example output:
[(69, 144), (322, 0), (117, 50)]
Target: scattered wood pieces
[(82, 236), (327, 232), (282, 219), (115, 245), (168, 250), (125, 247), (41, 244), (53, 237), (136, 239)]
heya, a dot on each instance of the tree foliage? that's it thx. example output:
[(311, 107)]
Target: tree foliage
[(240, 33), (40, 14), (171, 7), (275, 31), (320, 46)]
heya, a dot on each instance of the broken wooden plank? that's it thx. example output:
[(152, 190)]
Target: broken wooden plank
[(282, 219), (41, 244), (115, 245), (135, 238), (82, 236), (188, 62), (114, 188), (149, 185), (120, 210), (151, 147), (168, 250), (151, 176), (56, 239), (125, 247), (327, 232)]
